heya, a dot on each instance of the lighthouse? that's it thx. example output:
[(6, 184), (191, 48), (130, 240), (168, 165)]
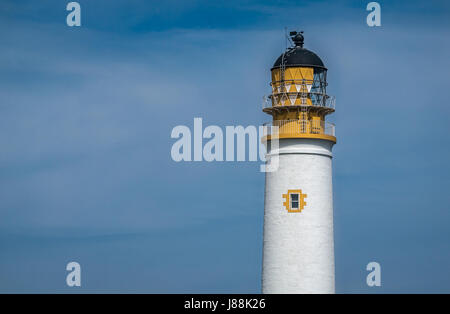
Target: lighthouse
[(298, 248)]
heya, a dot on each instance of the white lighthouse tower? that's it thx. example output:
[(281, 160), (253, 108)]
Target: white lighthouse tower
[(298, 248)]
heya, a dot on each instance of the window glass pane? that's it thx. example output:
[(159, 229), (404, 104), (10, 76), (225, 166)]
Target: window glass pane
[(294, 201)]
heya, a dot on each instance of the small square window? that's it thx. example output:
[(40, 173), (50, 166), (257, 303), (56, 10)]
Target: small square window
[(294, 201)]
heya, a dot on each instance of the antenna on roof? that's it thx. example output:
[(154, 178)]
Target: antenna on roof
[(288, 39)]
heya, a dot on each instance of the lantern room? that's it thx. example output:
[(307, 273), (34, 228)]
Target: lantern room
[(299, 101)]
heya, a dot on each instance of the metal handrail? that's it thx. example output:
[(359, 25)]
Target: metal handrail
[(318, 100), (300, 127), (321, 83)]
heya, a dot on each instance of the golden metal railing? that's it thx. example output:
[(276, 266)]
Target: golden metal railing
[(297, 127)]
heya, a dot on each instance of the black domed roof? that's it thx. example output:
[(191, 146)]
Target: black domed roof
[(299, 56)]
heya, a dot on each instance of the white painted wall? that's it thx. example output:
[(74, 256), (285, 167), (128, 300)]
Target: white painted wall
[(298, 248)]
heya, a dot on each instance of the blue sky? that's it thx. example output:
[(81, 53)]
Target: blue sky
[(85, 121)]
